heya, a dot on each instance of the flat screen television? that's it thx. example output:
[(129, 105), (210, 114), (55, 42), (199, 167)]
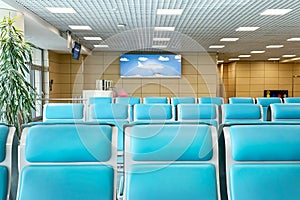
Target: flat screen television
[(150, 66), (76, 51)]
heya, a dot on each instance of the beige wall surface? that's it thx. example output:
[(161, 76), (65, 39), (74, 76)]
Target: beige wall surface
[(70, 77), (252, 78)]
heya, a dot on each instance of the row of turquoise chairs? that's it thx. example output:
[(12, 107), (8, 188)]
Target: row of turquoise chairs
[(162, 161)]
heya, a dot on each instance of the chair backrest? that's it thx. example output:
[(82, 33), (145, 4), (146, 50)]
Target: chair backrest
[(263, 161), (153, 112), (182, 100), (241, 113), (67, 161), (265, 102), (285, 112), (171, 161), (241, 100), (6, 141), (207, 113), (155, 100), (211, 100), (63, 112), (129, 101), (96, 100), (115, 113), (291, 100)]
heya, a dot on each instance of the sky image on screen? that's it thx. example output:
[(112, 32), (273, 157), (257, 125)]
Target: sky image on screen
[(150, 65)]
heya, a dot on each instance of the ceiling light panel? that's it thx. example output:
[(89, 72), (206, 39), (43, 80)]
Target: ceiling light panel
[(161, 28), (159, 46), (162, 39), (288, 56), (60, 10), (293, 39), (257, 51), (276, 11), (92, 38), (229, 39), (247, 28), (232, 59), (101, 46), (216, 46), (169, 11), (78, 27), (244, 56), (274, 59), (274, 46)]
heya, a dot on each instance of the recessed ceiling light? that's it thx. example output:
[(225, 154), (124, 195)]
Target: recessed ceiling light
[(60, 10), (162, 39), (161, 28), (229, 39), (244, 56), (288, 56), (159, 46), (76, 27), (274, 59), (274, 46), (257, 51), (247, 28), (276, 11), (101, 45), (233, 59), (216, 46), (295, 58), (293, 39), (169, 11), (121, 25), (92, 38), (220, 61)]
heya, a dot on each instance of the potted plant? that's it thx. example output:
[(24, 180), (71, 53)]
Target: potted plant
[(17, 95)]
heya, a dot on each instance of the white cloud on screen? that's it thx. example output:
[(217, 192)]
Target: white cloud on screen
[(161, 58), (178, 57), (143, 59), (124, 59)]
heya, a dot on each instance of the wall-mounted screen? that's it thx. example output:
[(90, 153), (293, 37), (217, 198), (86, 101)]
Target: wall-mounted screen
[(150, 66)]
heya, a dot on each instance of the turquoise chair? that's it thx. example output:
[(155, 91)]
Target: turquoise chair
[(68, 161), (63, 113), (170, 161), (242, 113), (241, 100), (265, 102), (263, 161), (155, 100)]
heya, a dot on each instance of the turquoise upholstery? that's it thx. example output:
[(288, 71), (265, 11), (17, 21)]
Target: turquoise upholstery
[(266, 102), (263, 161), (176, 181), (211, 100), (182, 100), (117, 114), (63, 112), (68, 143), (241, 113), (155, 100), (241, 100), (95, 100), (291, 100), (285, 112), (4, 182), (67, 161), (67, 182), (152, 112), (128, 100), (198, 113), (171, 161), (265, 181), (170, 143), (268, 141), (6, 165), (3, 138)]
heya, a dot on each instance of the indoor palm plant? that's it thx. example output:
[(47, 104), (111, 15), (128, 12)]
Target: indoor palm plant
[(17, 96)]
